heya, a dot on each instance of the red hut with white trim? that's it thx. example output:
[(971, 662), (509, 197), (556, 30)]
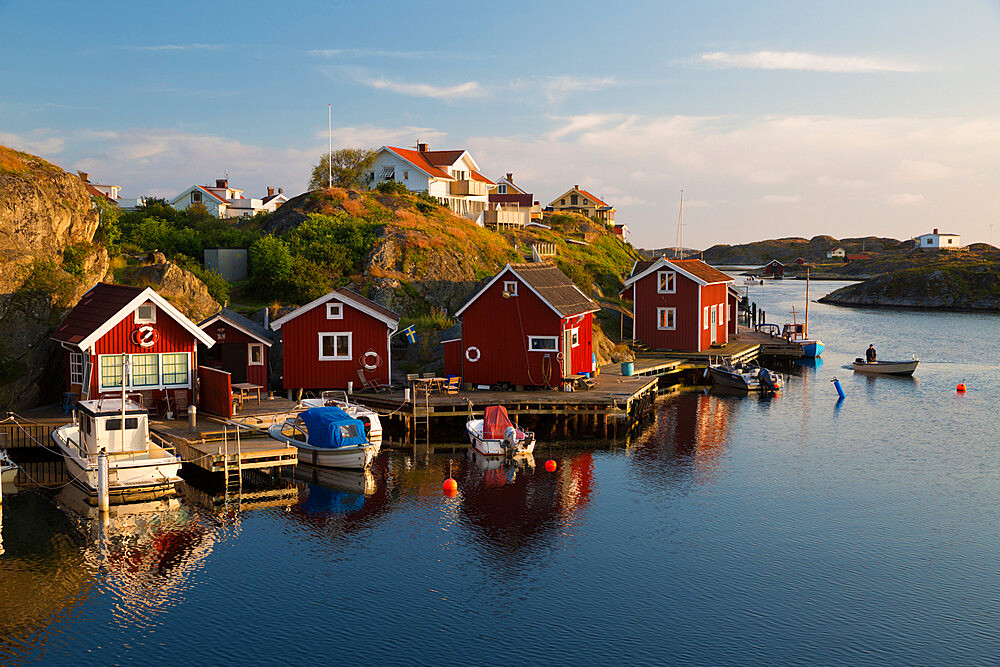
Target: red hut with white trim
[(529, 326), (159, 341), (327, 341), (678, 304), (241, 347)]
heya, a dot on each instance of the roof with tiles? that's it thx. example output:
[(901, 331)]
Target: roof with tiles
[(97, 306), (555, 287)]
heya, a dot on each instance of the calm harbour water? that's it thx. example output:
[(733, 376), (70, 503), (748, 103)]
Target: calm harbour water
[(734, 530)]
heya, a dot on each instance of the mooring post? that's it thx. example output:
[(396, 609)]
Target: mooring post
[(103, 502)]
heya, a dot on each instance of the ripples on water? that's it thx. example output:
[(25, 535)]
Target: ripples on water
[(733, 530)]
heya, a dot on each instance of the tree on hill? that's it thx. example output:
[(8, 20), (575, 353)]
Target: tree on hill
[(350, 169)]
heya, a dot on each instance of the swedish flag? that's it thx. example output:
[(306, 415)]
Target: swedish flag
[(411, 334)]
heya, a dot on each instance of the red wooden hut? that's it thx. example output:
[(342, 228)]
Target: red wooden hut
[(773, 269), (529, 326), (678, 304), (241, 347), (733, 312), (114, 320), (327, 341)]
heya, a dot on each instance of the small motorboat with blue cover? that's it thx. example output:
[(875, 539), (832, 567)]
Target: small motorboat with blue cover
[(327, 437)]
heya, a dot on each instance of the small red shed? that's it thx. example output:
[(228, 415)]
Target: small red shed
[(529, 326), (678, 304), (774, 269), (241, 347), (113, 320), (733, 313), (327, 341)]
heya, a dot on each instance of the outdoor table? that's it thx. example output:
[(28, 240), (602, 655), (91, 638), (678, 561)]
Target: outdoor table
[(430, 384), (248, 390)]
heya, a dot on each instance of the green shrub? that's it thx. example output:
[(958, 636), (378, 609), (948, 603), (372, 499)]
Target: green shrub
[(392, 188), (73, 256)]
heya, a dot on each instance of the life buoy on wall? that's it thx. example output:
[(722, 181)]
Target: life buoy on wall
[(559, 356), (371, 360), (145, 336), (472, 353)]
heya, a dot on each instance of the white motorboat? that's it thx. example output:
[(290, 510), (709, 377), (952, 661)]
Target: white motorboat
[(8, 474), (339, 399), (495, 435), (747, 378), (886, 367), (327, 437), (136, 464)]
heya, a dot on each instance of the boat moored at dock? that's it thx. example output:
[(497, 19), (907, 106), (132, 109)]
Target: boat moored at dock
[(8, 474), (745, 377), (327, 437), (339, 399), (495, 435), (136, 464)]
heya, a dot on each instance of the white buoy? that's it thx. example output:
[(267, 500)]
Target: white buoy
[(103, 502)]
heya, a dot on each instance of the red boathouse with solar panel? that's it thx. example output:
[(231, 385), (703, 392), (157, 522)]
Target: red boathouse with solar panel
[(327, 341), (529, 326), (159, 341), (679, 304)]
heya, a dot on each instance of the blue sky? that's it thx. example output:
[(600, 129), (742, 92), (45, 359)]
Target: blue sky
[(777, 118)]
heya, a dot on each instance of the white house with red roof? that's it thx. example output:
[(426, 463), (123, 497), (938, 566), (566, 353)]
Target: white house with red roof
[(224, 201), (452, 177), (578, 200)]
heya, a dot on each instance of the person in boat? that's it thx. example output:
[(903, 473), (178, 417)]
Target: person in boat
[(870, 354)]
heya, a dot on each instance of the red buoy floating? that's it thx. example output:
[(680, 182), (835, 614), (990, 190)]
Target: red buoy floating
[(960, 388), (550, 465), (450, 485)]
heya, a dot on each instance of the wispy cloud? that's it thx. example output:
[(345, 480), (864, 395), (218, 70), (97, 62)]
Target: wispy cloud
[(920, 171), (906, 199), (175, 47), (39, 142), (780, 199), (808, 62), (369, 53), (467, 89), (556, 88)]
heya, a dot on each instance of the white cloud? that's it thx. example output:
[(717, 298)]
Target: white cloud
[(375, 136), (556, 88), (919, 171), (845, 183), (38, 142), (467, 89), (800, 61), (905, 199), (367, 53), (780, 199)]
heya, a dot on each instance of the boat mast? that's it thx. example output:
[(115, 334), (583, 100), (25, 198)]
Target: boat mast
[(679, 239), (806, 332)]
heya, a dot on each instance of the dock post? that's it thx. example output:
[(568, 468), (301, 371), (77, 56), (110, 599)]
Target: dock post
[(103, 502)]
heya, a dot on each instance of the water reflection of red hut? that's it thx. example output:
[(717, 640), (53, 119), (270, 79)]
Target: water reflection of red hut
[(690, 430)]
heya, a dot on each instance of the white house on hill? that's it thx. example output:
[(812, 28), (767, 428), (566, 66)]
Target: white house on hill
[(452, 177), (936, 241), (223, 201)]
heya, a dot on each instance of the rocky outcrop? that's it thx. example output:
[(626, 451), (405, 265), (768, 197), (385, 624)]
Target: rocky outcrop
[(44, 213), (180, 287), (940, 288)]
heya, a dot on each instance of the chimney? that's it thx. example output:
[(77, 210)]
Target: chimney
[(84, 176), (222, 182), (270, 191), (935, 230), (576, 187), (281, 190), (421, 147), (510, 177)]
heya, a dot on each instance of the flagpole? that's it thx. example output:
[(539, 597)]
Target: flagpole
[(329, 158)]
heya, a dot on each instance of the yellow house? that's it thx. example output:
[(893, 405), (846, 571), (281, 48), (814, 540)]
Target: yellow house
[(512, 197), (579, 200)]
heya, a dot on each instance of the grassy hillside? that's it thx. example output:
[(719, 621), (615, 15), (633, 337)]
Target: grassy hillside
[(788, 249)]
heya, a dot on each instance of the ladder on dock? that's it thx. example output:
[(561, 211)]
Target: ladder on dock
[(233, 475)]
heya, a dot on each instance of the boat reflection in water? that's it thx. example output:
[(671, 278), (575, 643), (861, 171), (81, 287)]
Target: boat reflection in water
[(339, 503), (688, 438)]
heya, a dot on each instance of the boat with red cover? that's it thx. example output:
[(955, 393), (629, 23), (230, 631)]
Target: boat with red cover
[(495, 435)]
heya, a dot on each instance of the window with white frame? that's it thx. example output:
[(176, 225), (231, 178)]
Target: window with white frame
[(722, 313), (666, 282), (335, 311), (501, 189), (389, 173), (666, 318), (111, 371), (574, 337), (145, 314), (543, 343), (176, 369), (255, 354), (145, 370), (75, 368), (510, 286), (705, 317), (335, 346)]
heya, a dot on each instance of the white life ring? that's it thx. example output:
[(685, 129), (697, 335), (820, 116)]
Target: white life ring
[(374, 362), (472, 354), (145, 336)]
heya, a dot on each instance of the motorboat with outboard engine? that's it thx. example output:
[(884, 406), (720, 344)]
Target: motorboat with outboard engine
[(747, 378), (495, 435), (136, 464), (886, 367), (8, 474), (328, 437)]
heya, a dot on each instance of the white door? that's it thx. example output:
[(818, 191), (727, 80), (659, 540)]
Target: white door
[(567, 350), (715, 321)]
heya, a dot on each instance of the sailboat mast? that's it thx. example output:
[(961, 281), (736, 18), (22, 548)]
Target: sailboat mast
[(806, 332), (679, 241)]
